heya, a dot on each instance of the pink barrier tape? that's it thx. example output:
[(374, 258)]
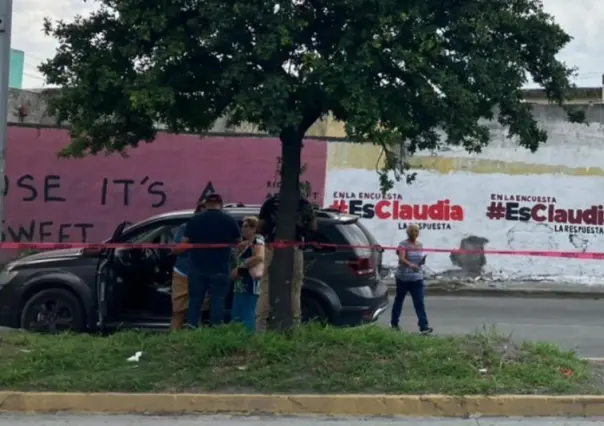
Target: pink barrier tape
[(285, 244)]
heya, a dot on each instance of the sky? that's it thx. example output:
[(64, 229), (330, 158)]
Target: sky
[(582, 19)]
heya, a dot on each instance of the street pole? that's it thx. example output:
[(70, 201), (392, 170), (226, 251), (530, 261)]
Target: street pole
[(6, 19)]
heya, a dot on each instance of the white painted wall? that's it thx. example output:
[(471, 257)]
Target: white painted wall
[(570, 147)]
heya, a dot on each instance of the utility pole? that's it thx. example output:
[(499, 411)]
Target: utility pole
[(6, 19)]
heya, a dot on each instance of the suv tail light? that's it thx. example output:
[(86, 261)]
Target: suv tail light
[(361, 266)]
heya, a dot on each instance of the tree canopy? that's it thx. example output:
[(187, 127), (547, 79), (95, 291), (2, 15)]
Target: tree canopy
[(417, 72)]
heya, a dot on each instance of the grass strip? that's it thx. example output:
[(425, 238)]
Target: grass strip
[(313, 359)]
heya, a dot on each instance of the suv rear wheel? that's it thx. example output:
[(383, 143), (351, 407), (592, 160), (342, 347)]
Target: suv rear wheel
[(52, 311), (313, 310)]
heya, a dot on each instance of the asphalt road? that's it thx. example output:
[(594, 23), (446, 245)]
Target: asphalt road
[(61, 420), (571, 323)]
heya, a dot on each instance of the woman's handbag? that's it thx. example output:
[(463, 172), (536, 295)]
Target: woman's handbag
[(255, 271)]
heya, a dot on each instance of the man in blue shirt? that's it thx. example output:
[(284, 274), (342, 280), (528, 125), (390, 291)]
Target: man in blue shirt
[(209, 268)]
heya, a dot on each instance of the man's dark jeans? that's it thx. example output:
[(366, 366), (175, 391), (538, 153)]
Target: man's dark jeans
[(416, 289), (200, 284)]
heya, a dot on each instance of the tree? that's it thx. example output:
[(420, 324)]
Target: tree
[(395, 71)]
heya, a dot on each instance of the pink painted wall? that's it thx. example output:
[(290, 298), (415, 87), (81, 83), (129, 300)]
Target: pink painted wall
[(51, 199)]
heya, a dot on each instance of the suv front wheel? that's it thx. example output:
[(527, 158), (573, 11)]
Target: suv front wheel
[(53, 310)]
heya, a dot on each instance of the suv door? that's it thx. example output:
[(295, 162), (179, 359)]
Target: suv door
[(105, 275)]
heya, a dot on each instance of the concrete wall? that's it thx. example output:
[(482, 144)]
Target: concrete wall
[(553, 200), (31, 107), (36, 110), (581, 95)]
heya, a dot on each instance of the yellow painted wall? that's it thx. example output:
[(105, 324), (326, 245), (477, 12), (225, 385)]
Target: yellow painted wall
[(342, 155), (345, 155)]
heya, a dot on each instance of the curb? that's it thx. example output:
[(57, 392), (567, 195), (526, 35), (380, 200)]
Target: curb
[(499, 292), (343, 405)]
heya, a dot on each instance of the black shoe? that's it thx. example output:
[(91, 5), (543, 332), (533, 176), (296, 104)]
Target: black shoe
[(395, 327), (426, 331)]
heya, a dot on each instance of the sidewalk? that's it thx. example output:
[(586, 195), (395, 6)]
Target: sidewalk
[(538, 289)]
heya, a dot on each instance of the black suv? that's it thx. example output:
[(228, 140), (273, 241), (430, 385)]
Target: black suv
[(81, 290)]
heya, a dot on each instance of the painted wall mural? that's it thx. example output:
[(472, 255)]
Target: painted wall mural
[(504, 199), (58, 200)]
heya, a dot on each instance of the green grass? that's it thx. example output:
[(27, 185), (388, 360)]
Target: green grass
[(312, 359)]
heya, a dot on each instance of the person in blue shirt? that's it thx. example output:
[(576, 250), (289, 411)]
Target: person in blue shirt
[(410, 279), (250, 258), (180, 284), (209, 266)]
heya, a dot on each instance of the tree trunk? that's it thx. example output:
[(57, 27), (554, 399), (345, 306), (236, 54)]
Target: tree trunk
[(281, 268)]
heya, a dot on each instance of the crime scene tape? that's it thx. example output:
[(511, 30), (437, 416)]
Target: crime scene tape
[(286, 244)]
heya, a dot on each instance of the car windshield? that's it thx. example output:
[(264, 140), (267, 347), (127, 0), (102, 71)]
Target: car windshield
[(146, 236), (130, 235)]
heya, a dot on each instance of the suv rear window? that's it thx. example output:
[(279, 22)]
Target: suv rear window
[(356, 237), (368, 234)]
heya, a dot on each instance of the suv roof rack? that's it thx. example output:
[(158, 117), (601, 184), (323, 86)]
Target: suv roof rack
[(344, 218), (324, 212), (240, 205)]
